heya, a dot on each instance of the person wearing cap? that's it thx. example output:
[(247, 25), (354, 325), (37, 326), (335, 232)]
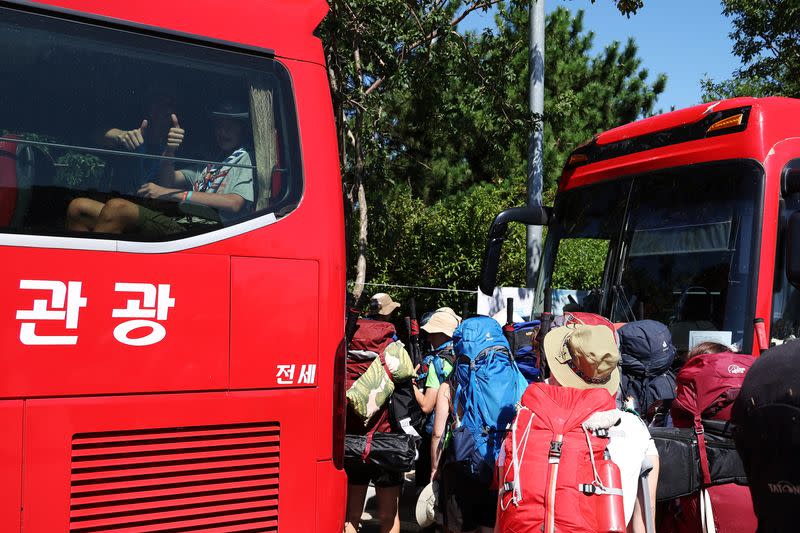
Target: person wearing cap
[(382, 307), (767, 436), (587, 357), (225, 187), (439, 327)]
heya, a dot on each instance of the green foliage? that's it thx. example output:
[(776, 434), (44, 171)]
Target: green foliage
[(79, 171), (441, 245), (766, 37), (580, 264), (733, 88), (628, 7)]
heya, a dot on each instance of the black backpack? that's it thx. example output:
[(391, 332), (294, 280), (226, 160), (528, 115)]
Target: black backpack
[(404, 410), (647, 354)]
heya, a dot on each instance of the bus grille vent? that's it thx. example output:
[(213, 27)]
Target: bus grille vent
[(172, 480)]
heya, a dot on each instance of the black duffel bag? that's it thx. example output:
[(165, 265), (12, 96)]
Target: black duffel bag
[(680, 472), (396, 452)]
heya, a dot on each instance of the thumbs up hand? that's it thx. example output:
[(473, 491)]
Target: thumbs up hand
[(175, 135), (132, 139)]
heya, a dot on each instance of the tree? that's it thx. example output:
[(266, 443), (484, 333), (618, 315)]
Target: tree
[(370, 46), (766, 37), (457, 148), (375, 50)]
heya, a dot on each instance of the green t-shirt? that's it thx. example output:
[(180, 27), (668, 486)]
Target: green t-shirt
[(432, 382)]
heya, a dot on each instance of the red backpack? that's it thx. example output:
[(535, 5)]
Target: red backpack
[(707, 386), (554, 475)]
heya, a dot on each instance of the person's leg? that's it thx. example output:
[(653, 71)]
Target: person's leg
[(82, 214), (118, 216), (355, 507), (388, 511)]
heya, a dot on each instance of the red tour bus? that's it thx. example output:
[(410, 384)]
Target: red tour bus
[(172, 352), (697, 214)]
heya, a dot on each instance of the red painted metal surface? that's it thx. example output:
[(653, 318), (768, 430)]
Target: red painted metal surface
[(192, 356), (770, 138), (10, 464), (242, 306), (274, 323), (284, 26), (215, 462)]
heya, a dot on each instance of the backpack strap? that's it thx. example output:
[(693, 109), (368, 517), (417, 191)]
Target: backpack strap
[(554, 458), (385, 366), (368, 443), (439, 368), (701, 447)]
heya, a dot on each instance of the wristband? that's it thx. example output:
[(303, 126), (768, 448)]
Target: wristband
[(183, 197), (188, 196)]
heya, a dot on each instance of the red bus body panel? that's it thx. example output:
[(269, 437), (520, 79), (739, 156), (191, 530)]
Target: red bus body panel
[(75, 418), (770, 138)]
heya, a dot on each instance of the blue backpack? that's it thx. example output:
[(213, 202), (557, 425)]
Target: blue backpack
[(434, 362), (488, 387), (524, 355)]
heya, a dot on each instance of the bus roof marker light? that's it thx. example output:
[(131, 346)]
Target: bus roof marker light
[(729, 122), (577, 159)]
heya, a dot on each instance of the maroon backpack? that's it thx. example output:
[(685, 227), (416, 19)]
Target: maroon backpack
[(707, 386), (369, 340)]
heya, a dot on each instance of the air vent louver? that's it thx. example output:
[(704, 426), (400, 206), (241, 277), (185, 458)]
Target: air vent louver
[(172, 480)]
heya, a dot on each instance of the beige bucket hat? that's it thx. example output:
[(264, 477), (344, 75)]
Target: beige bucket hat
[(583, 357), (443, 320), (385, 303)]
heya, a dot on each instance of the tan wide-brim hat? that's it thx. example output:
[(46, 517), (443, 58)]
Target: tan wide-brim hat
[(426, 505), (385, 303), (583, 357), (442, 321)]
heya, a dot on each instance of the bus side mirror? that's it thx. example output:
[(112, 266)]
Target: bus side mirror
[(530, 216), (793, 249)]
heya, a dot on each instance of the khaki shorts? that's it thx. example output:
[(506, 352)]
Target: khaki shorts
[(155, 224)]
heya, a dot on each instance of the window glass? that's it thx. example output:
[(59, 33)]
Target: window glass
[(674, 246), (786, 301), (688, 251), (586, 227), (114, 134)]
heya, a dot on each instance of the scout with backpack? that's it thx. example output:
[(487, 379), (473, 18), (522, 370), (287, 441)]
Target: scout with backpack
[(701, 472), (555, 471), (375, 434), (647, 383), (485, 387), (488, 386)]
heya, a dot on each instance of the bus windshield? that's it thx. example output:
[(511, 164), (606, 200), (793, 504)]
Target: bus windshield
[(674, 246)]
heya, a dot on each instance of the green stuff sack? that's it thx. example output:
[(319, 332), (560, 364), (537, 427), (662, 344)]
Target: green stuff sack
[(369, 392)]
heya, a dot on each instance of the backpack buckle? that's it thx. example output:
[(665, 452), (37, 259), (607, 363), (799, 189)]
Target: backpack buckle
[(601, 432), (555, 449)]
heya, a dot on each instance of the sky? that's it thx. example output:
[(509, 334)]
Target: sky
[(685, 39)]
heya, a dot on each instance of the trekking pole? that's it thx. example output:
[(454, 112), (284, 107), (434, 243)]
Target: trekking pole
[(644, 487), (508, 329), (544, 328), (413, 332)]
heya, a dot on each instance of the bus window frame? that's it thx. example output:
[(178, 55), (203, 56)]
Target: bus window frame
[(248, 224)]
